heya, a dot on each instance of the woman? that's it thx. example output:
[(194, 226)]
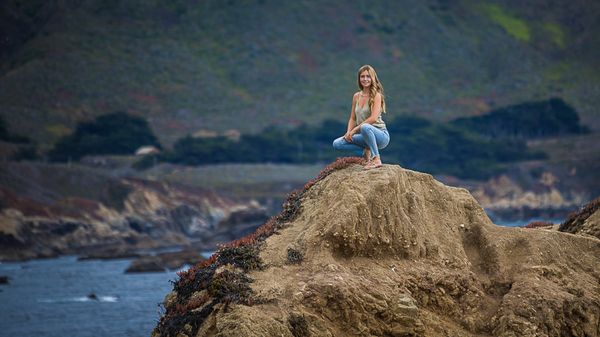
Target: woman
[(366, 131)]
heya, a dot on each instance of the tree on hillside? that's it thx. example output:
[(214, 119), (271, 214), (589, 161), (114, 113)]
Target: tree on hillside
[(7, 136), (418, 143), (440, 148), (115, 133), (539, 119), (3, 131)]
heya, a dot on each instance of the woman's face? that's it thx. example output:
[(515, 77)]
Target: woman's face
[(365, 79)]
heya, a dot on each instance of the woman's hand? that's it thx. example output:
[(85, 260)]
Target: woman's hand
[(348, 136)]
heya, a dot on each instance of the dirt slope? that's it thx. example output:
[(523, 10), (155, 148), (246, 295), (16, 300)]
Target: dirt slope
[(393, 252)]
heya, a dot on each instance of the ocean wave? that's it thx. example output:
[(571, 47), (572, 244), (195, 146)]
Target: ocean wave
[(108, 298), (89, 298)]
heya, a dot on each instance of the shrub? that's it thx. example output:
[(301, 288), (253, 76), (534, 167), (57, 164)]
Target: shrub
[(539, 119), (538, 224), (298, 325), (294, 256), (115, 133), (475, 147), (7, 136), (243, 256), (27, 152), (450, 149)]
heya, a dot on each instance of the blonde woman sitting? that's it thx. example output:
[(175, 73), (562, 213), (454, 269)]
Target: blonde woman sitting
[(366, 133)]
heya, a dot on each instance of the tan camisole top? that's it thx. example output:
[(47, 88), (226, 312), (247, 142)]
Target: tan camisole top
[(363, 113)]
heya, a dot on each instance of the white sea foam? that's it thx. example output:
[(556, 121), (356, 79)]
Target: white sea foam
[(64, 300), (109, 298)]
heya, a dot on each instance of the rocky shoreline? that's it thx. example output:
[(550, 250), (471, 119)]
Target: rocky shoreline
[(118, 218)]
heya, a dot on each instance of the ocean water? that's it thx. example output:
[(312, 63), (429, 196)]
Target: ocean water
[(50, 298), (522, 223)]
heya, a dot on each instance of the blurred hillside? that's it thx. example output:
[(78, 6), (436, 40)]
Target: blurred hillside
[(190, 65)]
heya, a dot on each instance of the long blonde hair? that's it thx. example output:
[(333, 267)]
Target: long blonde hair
[(376, 86)]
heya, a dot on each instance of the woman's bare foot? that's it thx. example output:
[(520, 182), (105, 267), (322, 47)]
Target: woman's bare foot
[(374, 163), (367, 155)]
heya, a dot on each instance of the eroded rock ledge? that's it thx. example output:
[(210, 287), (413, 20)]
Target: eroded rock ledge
[(391, 252)]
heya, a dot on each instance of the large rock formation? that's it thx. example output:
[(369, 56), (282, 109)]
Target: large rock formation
[(390, 252), (48, 210), (162, 261)]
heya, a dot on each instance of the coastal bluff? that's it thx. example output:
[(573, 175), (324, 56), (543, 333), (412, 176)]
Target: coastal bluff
[(389, 252), (48, 210)]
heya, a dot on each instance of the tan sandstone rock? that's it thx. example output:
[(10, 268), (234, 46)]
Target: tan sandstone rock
[(393, 252)]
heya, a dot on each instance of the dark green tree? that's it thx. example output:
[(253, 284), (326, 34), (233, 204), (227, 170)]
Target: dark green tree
[(7, 136), (417, 143), (115, 133), (528, 120)]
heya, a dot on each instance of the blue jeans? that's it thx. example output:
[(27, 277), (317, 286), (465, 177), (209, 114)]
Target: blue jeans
[(369, 137)]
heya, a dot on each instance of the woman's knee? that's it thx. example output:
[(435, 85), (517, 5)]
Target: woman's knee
[(383, 144), (366, 128), (337, 143), (385, 141)]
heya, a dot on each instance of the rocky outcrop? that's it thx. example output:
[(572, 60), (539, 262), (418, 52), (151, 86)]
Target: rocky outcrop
[(164, 261), (506, 199), (390, 252), (586, 221), (64, 211)]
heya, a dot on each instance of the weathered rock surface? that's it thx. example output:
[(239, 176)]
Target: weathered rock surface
[(49, 210), (393, 252)]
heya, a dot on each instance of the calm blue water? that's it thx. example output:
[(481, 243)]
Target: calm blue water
[(521, 223), (49, 298)]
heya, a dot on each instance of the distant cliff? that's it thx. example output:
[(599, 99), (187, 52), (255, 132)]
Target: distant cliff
[(48, 210), (389, 252)]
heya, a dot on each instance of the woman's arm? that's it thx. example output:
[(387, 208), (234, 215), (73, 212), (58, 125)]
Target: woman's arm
[(351, 120)]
